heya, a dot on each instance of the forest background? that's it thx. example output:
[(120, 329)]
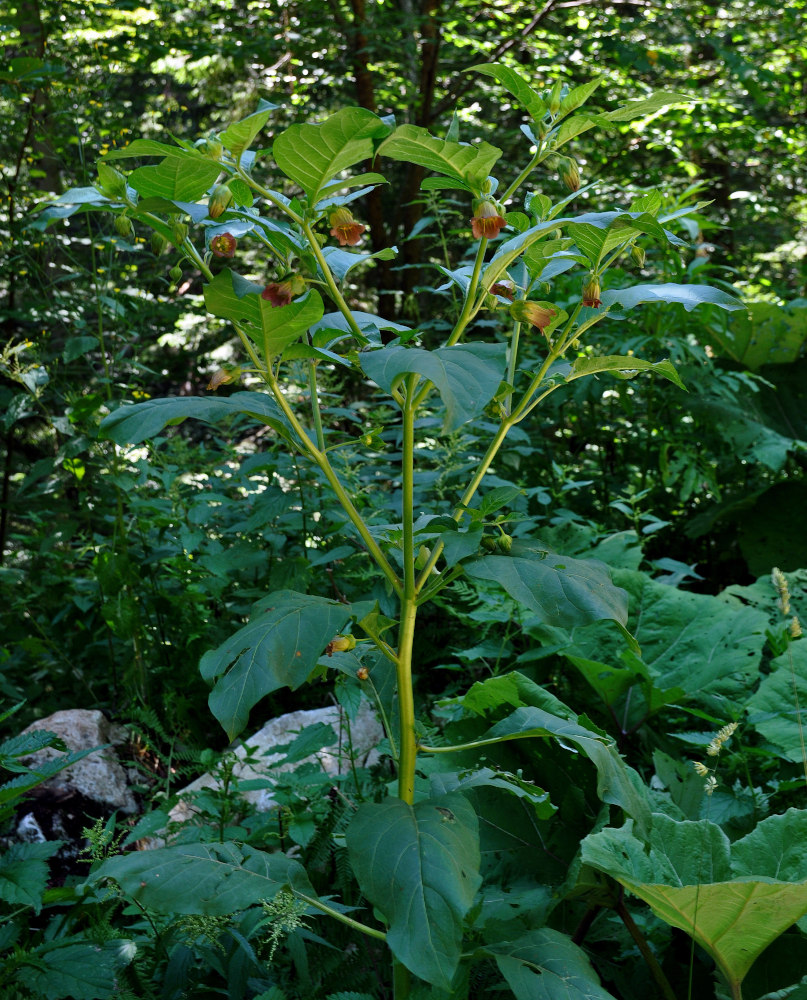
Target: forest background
[(111, 562)]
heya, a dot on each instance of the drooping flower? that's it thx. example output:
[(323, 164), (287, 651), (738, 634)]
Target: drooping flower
[(219, 200), (591, 293), (503, 288), (280, 293), (487, 222), (223, 245), (569, 173), (538, 314), (340, 644), (345, 228)]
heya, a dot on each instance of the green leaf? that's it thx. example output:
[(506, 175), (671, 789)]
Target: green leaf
[(444, 782), (560, 590), (342, 261), (312, 155), (597, 233), (211, 879), (419, 865), (148, 147), (772, 709), (764, 334), (231, 297), (616, 782), (688, 295), (280, 647), (514, 82), (467, 376), (692, 641), (623, 368), (686, 878), (180, 177), (24, 873), (578, 96), (66, 970), (238, 136), (133, 424), (545, 964), (469, 164), (648, 106)]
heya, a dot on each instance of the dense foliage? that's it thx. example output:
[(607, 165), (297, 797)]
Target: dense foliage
[(287, 222)]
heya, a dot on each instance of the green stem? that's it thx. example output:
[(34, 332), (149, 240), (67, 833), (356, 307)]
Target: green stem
[(401, 981), (269, 196), (315, 409), (511, 366), (406, 704), (644, 948), (333, 288), (343, 918)]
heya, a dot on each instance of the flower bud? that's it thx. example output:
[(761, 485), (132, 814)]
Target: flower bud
[(554, 98), (504, 543), (489, 543), (486, 222), (211, 147), (503, 288), (638, 255), (175, 273), (123, 226), (569, 173), (538, 314), (591, 292), (363, 674), (219, 200), (179, 233), (158, 242), (345, 228), (223, 245)]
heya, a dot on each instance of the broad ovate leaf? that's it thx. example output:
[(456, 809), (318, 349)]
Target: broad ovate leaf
[(562, 591), (279, 647), (623, 368), (688, 296), (517, 85), (466, 375), (231, 297), (462, 162), (138, 422), (183, 176), (211, 879), (313, 155), (419, 865)]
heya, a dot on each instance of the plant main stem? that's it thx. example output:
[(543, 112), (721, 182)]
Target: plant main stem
[(406, 635)]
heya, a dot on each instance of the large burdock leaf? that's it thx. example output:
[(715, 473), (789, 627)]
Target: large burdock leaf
[(689, 296), (615, 780), (286, 635), (772, 709), (733, 899), (231, 297), (211, 879), (547, 965), (136, 423), (419, 865), (312, 155), (563, 591), (466, 375)]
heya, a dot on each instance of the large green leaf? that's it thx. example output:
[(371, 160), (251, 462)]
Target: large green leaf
[(691, 641), (238, 136), (545, 964), (764, 334), (24, 872), (615, 783), (466, 375), (72, 969), (733, 899), (772, 708), (231, 297), (514, 82), (647, 106), (623, 368), (133, 424), (688, 295), (183, 176), (419, 865), (279, 647), (462, 162), (597, 233), (312, 155), (560, 590), (212, 879)]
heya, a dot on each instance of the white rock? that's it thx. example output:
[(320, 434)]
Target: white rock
[(365, 732), (98, 776)]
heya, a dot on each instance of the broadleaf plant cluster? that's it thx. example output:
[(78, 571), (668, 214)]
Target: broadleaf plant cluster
[(439, 856)]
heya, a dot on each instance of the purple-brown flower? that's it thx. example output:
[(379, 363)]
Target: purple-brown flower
[(280, 293), (538, 314), (223, 245), (591, 293), (345, 228), (487, 222)]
